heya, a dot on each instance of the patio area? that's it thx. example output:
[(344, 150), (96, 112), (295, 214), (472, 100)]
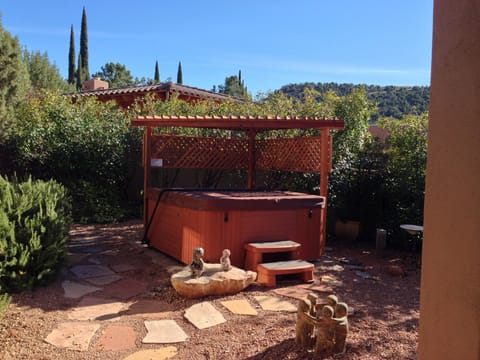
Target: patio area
[(113, 300)]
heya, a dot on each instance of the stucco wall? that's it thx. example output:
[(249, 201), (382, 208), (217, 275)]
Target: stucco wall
[(450, 290)]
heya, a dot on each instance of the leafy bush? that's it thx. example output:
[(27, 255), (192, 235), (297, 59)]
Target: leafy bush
[(4, 302), (86, 146), (34, 223)]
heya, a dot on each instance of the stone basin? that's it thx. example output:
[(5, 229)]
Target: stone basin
[(214, 281)]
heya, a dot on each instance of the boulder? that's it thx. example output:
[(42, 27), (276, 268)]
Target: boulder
[(213, 281)]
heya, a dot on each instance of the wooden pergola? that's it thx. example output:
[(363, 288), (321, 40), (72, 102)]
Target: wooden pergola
[(298, 154)]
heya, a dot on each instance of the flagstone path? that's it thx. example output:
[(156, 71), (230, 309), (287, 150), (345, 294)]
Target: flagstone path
[(104, 291)]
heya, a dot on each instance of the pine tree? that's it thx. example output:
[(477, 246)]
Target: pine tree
[(14, 80), (156, 78), (84, 70), (179, 73), (71, 59)]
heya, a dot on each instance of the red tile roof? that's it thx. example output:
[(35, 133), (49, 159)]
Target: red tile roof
[(169, 87)]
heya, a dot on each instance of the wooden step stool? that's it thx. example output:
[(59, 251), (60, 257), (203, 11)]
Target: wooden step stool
[(267, 272), (255, 251)]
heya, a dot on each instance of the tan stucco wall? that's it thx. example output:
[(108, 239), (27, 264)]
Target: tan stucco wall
[(450, 290)]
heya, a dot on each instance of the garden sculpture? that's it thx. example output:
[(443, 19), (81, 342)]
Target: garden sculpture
[(341, 328), (225, 262), (197, 263), (304, 328), (313, 303), (329, 327)]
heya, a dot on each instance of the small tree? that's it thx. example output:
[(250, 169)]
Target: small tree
[(43, 74), (156, 78), (116, 74), (179, 73)]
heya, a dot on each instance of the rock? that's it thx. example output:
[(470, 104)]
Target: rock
[(395, 270), (213, 281)]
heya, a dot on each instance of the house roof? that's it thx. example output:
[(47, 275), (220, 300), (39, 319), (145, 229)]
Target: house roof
[(126, 95)]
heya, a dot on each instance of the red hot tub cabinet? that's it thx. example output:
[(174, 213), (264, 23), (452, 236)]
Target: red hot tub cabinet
[(217, 220)]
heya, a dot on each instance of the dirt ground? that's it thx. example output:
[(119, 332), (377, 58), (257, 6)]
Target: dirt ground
[(384, 323)]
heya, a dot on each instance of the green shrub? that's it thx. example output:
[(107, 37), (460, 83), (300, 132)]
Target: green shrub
[(85, 146), (34, 223), (4, 302)]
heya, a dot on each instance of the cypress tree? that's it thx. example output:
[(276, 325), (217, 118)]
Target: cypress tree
[(179, 73), (156, 78), (84, 70), (79, 73), (71, 59), (240, 77)]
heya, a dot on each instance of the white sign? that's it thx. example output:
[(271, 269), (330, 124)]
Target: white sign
[(156, 162)]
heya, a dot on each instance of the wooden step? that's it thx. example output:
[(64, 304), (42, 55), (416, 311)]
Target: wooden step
[(255, 251), (267, 272)]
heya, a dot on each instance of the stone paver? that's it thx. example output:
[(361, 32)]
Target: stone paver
[(163, 332), (122, 267), (153, 354), (117, 338), (240, 307), (204, 315), (151, 309), (85, 249), (73, 335), (125, 289), (273, 303), (92, 308), (75, 290), (332, 280), (104, 280), (88, 271), (300, 291), (72, 259)]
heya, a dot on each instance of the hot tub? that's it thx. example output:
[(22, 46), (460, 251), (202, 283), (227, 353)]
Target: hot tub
[(217, 220)]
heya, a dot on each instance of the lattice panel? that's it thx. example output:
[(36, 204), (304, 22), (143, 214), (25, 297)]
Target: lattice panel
[(200, 152), (292, 154), (288, 154)]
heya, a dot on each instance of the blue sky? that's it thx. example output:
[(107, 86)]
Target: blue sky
[(273, 42)]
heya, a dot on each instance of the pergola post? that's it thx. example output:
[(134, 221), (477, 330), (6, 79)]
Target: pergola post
[(147, 154), (325, 156), (251, 159)]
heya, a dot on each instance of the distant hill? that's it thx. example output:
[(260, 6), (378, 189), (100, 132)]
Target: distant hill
[(393, 101)]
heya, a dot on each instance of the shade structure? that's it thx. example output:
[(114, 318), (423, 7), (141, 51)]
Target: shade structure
[(302, 154)]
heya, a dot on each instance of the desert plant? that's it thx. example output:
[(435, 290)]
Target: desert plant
[(34, 223)]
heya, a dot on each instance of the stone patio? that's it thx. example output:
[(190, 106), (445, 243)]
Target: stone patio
[(115, 284)]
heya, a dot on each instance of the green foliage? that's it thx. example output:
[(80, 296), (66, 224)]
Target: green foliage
[(14, 80), (4, 302), (392, 101), (34, 223), (117, 75), (384, 185), (406, 151), (234, 86), (85, 146), (43, 74)]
